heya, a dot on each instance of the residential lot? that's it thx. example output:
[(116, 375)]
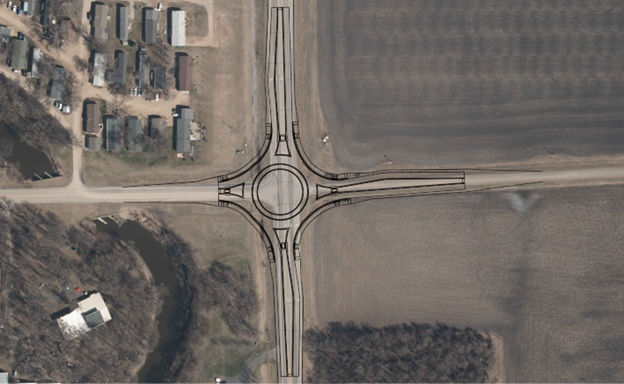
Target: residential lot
[(543, 269), (433, 82)]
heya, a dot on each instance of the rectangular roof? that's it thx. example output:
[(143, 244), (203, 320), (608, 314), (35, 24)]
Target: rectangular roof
[(100, 20), (35, 56), (185, 73), (118, 75), (183, 130), (73, 324), (186, 113), (143, 69), (95, 301), (157, 124), (113, 134), (57, 90), (178, 28), (122, 23), (183, 135), (93, 143), (134, 134), (150, 25), (5, 32), (92, 116), (99, 69), (19, 52), (47, 13), (31, 7), (160, 77)]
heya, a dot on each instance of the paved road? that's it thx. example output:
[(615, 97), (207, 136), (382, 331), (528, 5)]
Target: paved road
[(280, 191)]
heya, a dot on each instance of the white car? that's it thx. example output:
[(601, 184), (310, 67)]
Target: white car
[(10, 4), (15, 8)]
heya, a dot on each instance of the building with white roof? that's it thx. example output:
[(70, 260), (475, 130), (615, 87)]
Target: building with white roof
[(178, 30), (91, 312), (99, 69)]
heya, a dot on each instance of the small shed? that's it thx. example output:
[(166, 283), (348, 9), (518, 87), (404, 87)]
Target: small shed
[(134, 134), (93, 143)]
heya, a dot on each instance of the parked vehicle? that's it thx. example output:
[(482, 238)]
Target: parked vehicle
[(15, 8), (19, 11), (9, 4)]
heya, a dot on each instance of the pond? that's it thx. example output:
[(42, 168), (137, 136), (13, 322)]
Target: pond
[(31, 162), (170, 318)]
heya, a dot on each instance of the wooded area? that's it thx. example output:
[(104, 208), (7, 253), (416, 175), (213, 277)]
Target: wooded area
[(26, 112), (40, 258), (418, 353)]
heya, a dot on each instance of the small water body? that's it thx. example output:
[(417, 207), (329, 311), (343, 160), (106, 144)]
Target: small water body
[(170, 318), (31, 161)]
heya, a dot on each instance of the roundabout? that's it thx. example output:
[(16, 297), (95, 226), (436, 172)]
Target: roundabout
[(280, 192)]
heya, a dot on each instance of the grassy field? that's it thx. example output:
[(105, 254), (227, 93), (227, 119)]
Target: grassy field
[(542, 269)]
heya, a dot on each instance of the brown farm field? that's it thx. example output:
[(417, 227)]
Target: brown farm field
[(543, 269), (436, 82)]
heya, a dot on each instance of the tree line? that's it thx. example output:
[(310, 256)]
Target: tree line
[(417, 353)]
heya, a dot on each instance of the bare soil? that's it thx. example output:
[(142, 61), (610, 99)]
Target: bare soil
[(443, 83)]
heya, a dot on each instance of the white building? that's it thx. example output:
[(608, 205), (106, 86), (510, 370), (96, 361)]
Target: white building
[(99, 69), (178, 29), (37, 55), (91, 312)]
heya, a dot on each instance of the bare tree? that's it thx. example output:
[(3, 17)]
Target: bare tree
[(72, 91), (95, 45), (81, 64), (118, 107)]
